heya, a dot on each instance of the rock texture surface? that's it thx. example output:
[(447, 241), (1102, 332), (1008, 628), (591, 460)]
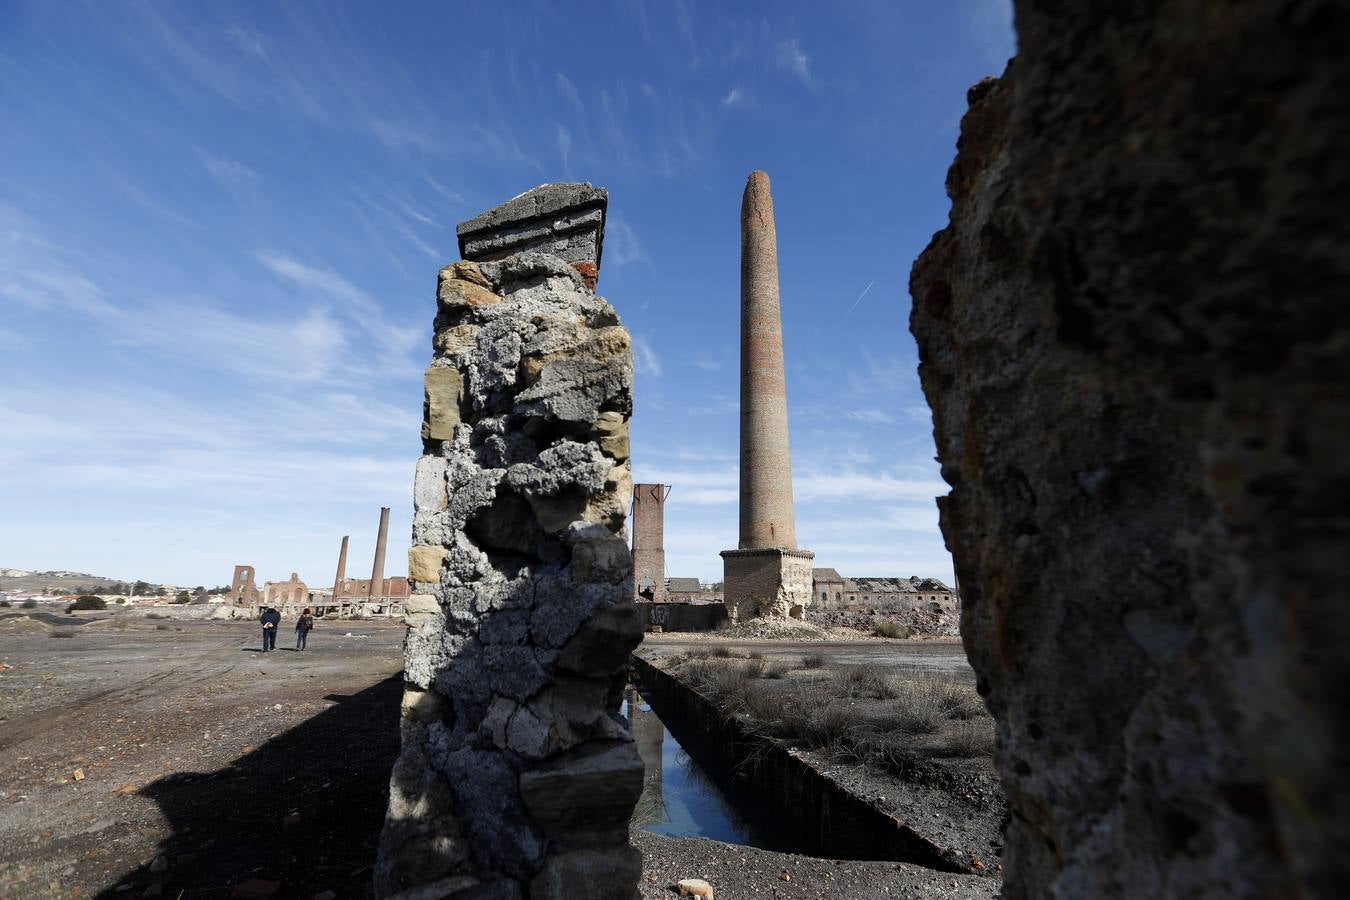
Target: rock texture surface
[(1134, 340), (516, 777)]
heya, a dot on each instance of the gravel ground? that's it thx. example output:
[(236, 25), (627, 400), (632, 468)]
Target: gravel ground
[(736, 872)]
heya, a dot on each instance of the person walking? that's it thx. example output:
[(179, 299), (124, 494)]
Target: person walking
[(302, 628), (270, 619)]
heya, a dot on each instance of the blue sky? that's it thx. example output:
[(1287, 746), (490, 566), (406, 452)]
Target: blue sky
[(220, 227)]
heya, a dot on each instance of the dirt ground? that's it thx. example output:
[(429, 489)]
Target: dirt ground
[(182, 761), (144, 758)]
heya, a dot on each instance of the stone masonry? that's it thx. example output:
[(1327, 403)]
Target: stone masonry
[(1134, 339), (517, 778), (766, 575), (649, 542), (562, 220)]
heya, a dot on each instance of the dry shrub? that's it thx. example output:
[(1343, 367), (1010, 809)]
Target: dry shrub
[(868, 680), (814, 715), (957, 700), (155, 615), (63, 632), (889, 629), (813, 661), (724, 684), (164, 628), (756, 655), (917, 709), (722, 652), (777, 669), (755, 667), (763, 707), (969, 739)]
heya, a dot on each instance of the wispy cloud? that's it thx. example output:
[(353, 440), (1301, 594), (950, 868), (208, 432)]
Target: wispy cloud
[(568, 90), (788, 55), (708, 365), (565, 148), (645, 358), (320, 280), (621, 243), (875, 416), (734, 97), (229, 172)]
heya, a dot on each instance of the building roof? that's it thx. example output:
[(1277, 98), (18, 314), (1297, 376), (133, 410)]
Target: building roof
[(826, 575), (684, 585), (885, 585)]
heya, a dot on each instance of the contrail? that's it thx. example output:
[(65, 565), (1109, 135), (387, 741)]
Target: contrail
[(855, 303)]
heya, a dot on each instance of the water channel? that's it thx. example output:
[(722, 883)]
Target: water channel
[(680, 798)]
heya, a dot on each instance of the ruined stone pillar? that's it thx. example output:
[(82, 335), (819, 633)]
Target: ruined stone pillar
[(517, 776), (242, 588), (1133, 336), (766, 574), (377, 571), (341, 570), (649, 542)]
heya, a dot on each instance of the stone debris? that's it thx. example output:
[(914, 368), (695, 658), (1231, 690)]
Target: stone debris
[(695, 887), (517, 775), (773, 629), (926, 622)]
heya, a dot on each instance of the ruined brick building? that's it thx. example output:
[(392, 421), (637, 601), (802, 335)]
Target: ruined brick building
[(833, 591)]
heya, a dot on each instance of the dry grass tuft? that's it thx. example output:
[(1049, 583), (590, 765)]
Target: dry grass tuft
[(868, 680), (887, 628), (970, 739), (833, 712), (813, 661), (63, 632)]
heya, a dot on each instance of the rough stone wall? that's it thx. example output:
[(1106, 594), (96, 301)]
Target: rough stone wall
[(516, 777), (767, 583), (1134, 340)]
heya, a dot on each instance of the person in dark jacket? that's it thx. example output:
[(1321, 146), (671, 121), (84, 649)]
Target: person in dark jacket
[(302, 628), (270, 619)]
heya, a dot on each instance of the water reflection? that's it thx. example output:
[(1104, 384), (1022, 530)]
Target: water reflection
[(678, 798)]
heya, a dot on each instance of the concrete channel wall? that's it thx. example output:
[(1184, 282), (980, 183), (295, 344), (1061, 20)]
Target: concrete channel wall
[(829, 820), (682, 616)]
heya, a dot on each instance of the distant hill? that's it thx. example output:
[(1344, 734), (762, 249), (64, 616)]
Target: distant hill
[(66, 582)]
